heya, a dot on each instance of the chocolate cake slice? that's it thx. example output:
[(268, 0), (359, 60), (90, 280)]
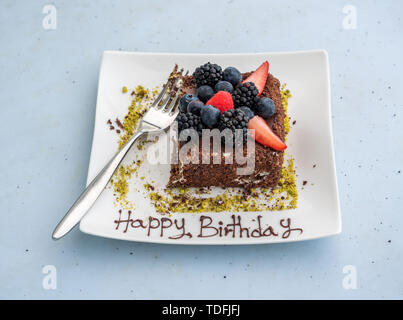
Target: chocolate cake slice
[(268, 162)]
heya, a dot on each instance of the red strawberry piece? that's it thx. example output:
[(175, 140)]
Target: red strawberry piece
[(259, 77), (222, 100), (264, 135)]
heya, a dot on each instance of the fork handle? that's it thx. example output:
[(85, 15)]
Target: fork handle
[(93, 190)]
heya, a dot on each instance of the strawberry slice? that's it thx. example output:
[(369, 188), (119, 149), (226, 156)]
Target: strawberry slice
[(264, 135), (222, 100), (259, 77)]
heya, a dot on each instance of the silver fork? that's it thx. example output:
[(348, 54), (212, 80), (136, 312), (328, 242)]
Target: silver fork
[(159, 117)]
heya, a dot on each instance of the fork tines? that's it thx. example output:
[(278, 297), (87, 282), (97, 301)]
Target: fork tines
[(168, 97)]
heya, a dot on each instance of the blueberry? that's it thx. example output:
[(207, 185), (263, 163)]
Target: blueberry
[(204, 93), (232, 75), (184, 101), (195, 106), (265, 108), (248, 112), (224, 86), (210, 116)]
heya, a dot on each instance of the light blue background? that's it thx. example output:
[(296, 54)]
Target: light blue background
[(48, 83)]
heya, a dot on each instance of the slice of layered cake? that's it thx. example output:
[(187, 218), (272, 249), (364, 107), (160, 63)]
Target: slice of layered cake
[(249, 103)]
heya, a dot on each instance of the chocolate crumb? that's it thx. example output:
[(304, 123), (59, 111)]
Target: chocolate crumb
[(109, 121), (314, 166), (304, 182), (294, 122), (111, 128), (119, 124)]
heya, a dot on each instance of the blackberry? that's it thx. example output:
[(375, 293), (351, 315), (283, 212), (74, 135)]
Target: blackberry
[(246, 95), (208, 74), (189, 121), (234, 119)]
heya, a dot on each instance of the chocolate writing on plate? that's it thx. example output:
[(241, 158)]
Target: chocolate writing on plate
[(208, 227)]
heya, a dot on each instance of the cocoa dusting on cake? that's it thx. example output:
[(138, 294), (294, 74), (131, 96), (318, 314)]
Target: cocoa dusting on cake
[(189, 84)]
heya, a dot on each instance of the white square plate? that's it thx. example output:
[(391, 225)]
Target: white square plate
[(310, 143)]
